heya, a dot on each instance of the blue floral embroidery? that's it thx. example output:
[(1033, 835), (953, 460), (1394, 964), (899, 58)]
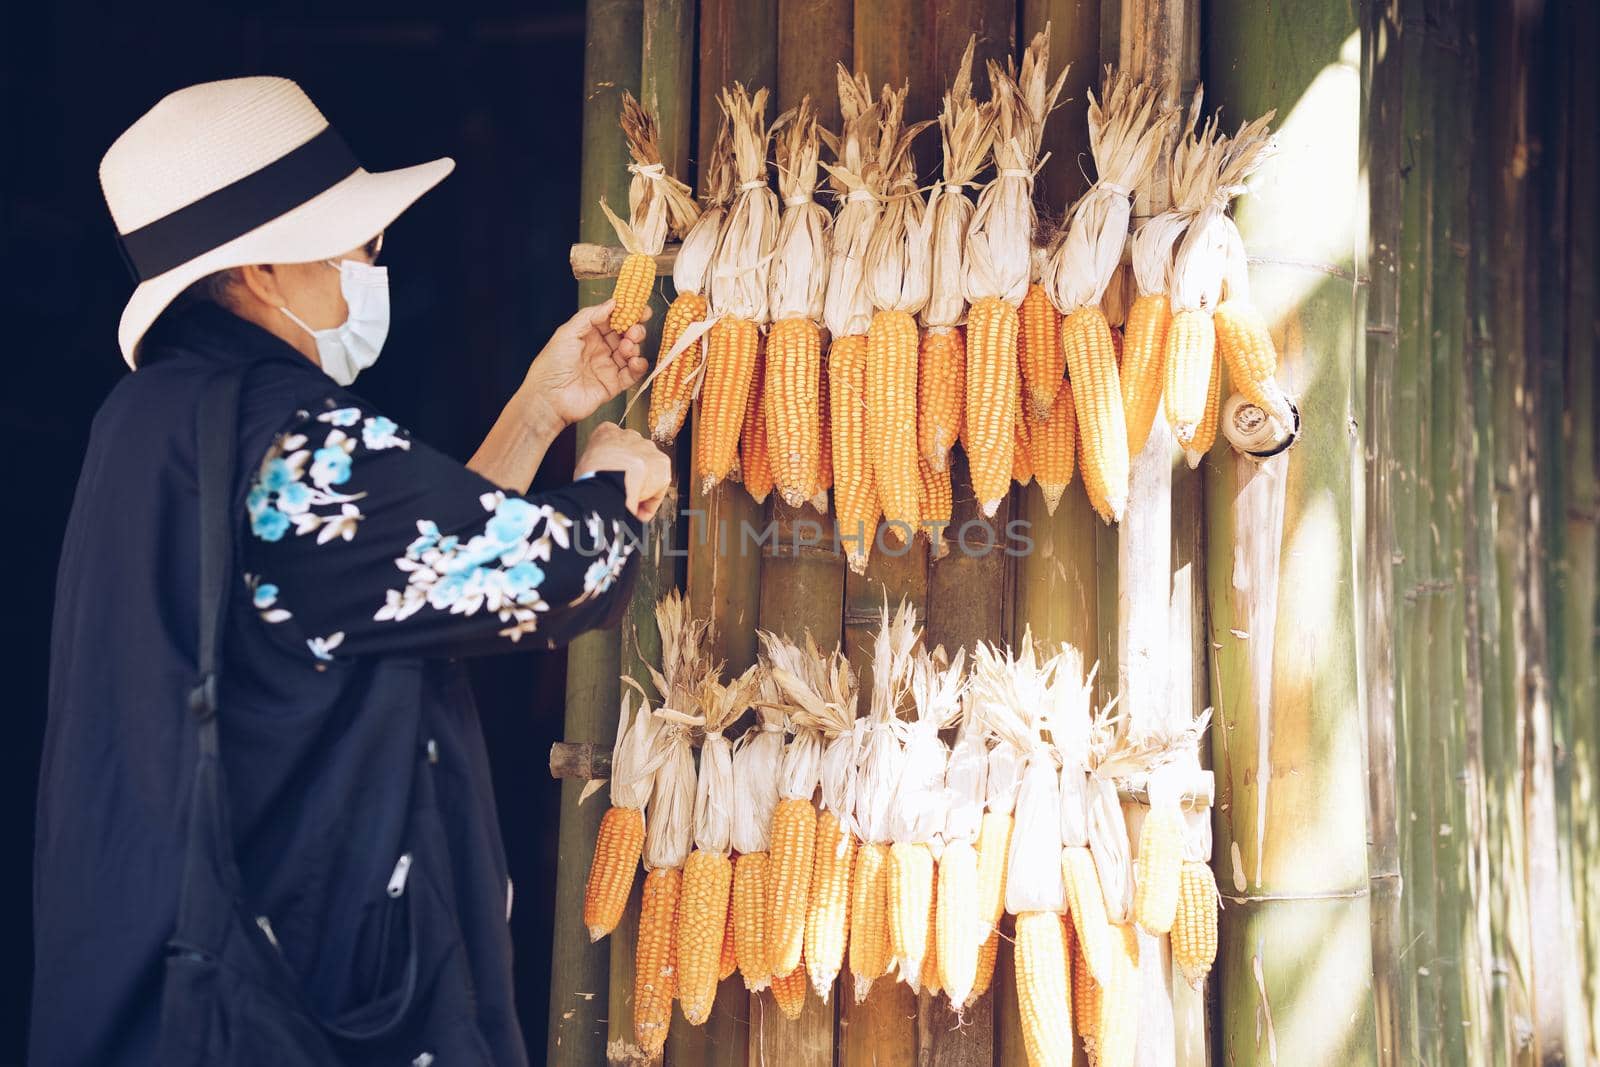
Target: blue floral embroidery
[(296, 485), (330, 465), (344, 417), (322, 647), (380, 432), (264, 598)]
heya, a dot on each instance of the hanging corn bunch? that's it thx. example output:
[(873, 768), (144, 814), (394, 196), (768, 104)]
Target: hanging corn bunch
[(796, 285), (959, 929), (798, 674), (621, 836), (757, 761), (1125, 133), (658, 204), (918, 816), (1242, 334), (999, 240), (877, 773), (1144, 364), (848, 314), (967, 130), (739, 306), (680, 362), (898, 278), (708, 872)]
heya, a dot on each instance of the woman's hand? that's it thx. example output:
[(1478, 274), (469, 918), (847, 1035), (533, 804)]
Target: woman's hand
[(585, 364), (646, 470)]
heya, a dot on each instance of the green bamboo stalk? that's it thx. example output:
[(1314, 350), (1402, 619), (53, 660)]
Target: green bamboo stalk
[(1291, 767), (578, 969)]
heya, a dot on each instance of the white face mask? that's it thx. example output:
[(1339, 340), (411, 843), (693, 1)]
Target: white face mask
[(351, 347)]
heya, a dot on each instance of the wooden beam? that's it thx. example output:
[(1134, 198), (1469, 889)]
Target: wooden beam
[(597, 262)]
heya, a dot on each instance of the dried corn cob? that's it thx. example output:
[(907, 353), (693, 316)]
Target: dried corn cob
[(1117, 1034), (824, 482), (1054, 447), (958, 928), (1205, 435), (891, 397), (794, 843), (1194, 931), (1157, 869), (941, 394), (910, 899), (1246, 346), (936, 504), (1191, 348), (855, 494), (789, 991), (828, 918), (930, 960), (621, 837), (1087, 905), (732, 351), (1022, 450), (984, 976), (1044, 999), (991, 390), (1143, 366), (1040, 356), (1085, 995), (754, 458), (653, 986), (794, 422), (751, 914), (870, 949), (728, 961)]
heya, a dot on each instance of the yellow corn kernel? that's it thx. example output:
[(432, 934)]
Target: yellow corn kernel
[(1097, 397), (616, 857), (654, 959), (754, 458), (1194, 930), (941, 394), (1205, 435), (702, 925), (892, 418), (731, 350), (1252, 358), (930, 958), (728, 959), (992, 326), (987, 953), (936, 502), (870, 950), (793, 406), (958, 928), (1087, 903), (632, 292), (752, 918), (1022, 453), (994, 844), (1085, 995), (1144, 371), (673, 389), (789, 991), (1044, 999), (909, 891), (855, 495), (1039, 354), (1157, 868), (793, 845), (1191, 340), (828, 908), (1118, 1032), (1054, 446), (824, 445)]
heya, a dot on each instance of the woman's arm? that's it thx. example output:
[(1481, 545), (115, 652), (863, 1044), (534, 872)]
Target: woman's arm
[(585, 364)]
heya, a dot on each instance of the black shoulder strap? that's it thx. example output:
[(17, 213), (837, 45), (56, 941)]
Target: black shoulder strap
[(216, 442)]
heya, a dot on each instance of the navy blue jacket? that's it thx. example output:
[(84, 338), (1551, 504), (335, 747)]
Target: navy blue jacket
[(367, 562)]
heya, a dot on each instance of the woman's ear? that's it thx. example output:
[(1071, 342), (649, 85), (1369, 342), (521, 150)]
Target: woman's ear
[(262, 282)]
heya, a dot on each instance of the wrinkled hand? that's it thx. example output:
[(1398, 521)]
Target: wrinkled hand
[(646, 470), (586, 363)]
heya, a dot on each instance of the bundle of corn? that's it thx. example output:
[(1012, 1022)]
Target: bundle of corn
[(739, 306), (1035, 892), (824, 698), (959, 931), (999, 240), (993, 687), (675, 381), (621, 837), (918, 815), (793, 833), (708, 872), (847, 312), (967, 129), (658, 204), (898, 278), (1125, 133), (757, 761), (1242, 334), (799, 278), (1144, 364), (880, 760)]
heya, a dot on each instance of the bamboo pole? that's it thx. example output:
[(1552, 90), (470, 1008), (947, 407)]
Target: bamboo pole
[(578, 969), (1295, 965)]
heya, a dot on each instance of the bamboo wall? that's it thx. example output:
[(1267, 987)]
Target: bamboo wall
[(1395, 622)]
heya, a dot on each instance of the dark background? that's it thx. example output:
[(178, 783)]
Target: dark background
[(478, 277)]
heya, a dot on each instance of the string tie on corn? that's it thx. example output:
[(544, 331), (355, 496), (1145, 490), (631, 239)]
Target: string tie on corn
[(655, 171), (1016, 172), (798, 200), (860, 193), (1113, 187), (753, 183)]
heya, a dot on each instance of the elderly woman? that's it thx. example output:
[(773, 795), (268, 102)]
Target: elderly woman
[(266, 831)]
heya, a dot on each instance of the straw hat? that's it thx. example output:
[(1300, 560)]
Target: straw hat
[(230, 173)]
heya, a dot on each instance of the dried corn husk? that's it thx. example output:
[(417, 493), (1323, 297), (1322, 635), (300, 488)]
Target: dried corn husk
[(1000, 235), (802, 756), (1206, 257), (632, 764), (1069, 722), (750, 231), (823, 692), (966, 778), (920, 804), (1125, 133), (658, 203), (684, 668), (882, 754), (966, 128), (758, 759), (846, 307), (799, 277), (1195, 161), (721, 704), (898, 252), (692, 269)]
